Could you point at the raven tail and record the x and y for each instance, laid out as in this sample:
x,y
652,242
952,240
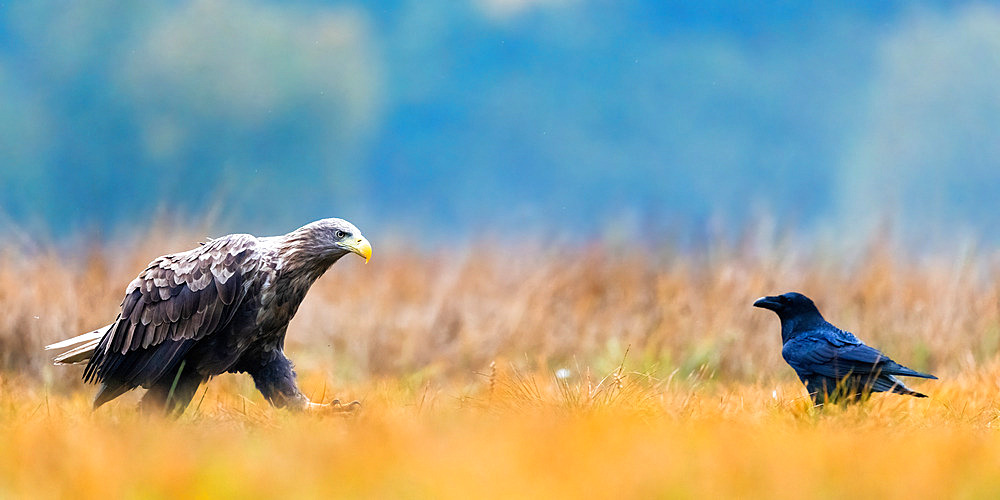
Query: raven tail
x,y
901,389
907,372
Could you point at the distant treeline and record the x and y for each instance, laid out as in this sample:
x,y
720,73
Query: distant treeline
x,y
460,115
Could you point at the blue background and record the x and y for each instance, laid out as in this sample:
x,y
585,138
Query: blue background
x,y
489,116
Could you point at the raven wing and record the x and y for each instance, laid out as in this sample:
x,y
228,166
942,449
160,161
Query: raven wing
x,y
177,300
837,356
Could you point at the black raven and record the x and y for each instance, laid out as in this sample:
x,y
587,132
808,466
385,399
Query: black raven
x,y
833,364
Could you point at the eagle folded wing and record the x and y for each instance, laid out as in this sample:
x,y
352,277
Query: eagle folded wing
x,y
178,298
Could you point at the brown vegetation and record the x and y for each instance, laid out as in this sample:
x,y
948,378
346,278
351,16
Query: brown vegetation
x,y
455,356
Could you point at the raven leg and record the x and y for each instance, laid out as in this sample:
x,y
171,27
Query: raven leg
x,y
850,389
274,377
172,392
818,389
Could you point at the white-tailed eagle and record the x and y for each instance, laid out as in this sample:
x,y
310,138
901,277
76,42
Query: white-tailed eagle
x,y
222,307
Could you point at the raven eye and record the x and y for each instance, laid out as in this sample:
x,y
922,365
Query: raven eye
x,y
341,234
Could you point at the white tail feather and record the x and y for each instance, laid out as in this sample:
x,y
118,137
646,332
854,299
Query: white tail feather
x,y
78,354
79,339
82,347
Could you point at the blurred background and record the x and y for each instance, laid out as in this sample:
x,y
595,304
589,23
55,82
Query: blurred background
x,y
590,117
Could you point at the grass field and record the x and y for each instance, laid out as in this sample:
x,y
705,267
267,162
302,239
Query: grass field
x,y
596,372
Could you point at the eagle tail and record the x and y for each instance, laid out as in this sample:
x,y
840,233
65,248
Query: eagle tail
x,y
81,347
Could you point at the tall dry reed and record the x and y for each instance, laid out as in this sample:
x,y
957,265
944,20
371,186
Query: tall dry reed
x,y
452,313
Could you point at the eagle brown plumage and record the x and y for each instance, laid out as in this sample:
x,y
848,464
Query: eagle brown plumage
x,y
221,307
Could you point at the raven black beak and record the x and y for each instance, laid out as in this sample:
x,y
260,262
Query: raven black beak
x,y
767,303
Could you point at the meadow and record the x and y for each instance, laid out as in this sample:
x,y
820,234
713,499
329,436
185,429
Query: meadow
x,y
537,371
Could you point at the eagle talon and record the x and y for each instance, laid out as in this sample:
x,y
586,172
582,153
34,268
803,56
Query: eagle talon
x,y
337,406
334,406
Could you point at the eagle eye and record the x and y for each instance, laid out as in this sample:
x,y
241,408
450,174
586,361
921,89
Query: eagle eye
x,y
341,234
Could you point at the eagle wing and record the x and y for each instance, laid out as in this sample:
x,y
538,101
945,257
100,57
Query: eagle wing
x,y
177,300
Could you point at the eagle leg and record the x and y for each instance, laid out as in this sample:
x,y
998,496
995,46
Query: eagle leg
x,y
172,393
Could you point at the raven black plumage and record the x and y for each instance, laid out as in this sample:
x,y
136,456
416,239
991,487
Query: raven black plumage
x,y
833,364
221,307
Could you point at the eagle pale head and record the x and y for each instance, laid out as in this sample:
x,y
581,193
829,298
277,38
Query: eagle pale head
x,y
336,237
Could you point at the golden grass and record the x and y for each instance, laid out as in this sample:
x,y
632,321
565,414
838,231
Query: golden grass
x,y
455,357
530,437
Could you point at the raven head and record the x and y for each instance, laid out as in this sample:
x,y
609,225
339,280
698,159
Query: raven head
x,y
789,305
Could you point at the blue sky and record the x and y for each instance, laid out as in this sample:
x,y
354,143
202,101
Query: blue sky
x,y
487,115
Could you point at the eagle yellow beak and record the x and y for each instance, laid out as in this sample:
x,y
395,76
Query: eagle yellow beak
x,y
361,247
